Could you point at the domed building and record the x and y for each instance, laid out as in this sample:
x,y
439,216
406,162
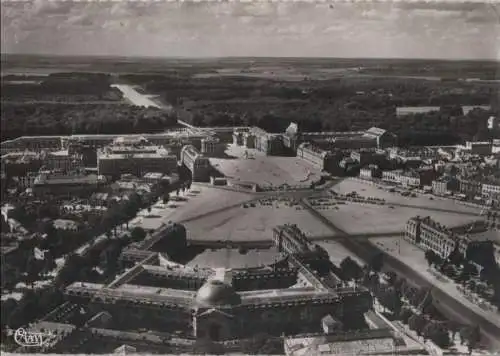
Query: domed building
x,y
216,293
218,304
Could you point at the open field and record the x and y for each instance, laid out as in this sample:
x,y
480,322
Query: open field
x,y
247,224
414,257
200,200
265,170
367,190
232,258
359,218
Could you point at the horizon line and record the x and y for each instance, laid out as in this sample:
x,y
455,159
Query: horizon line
x,y
497,60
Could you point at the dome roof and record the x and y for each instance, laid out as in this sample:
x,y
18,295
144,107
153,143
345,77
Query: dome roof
x,y
217,293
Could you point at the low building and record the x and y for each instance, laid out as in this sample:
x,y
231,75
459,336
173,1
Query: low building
x,y
369,156
55,183
249,140
468,108
493,123
21,163
270,144
323,160
153,177
490,191
369,172
445,185
62,160
32,143
211,146
412,110
362,342
430,235
135,157
356,142
11,270
197,163
291,137
478,148
238,137
382,137
470,187
411,178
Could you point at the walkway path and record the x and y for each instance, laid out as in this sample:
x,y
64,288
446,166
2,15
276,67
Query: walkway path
x,y
137,98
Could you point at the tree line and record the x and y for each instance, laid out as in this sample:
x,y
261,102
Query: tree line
x,y
67,119
410,305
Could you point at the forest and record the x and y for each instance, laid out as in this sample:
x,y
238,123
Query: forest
x,y
66,119
342,104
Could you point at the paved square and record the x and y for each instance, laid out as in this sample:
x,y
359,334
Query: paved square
x,y
265,170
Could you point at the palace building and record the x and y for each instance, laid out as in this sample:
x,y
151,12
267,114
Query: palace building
x,y
136,156
219,305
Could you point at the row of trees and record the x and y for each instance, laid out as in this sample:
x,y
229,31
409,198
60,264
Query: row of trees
x,y
462,267
413,306
66,119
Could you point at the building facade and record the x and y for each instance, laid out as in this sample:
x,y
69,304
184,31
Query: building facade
x,y
198,164
370,171
134,156
58,183
430,235
471,188
227,304
322,159
211,146
445,185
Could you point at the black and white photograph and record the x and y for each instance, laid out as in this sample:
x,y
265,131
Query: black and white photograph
x,y
296,178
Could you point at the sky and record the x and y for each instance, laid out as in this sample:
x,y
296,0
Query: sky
x,y
445,30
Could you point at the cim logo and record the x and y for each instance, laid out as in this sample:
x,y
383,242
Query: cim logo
x,y
27,338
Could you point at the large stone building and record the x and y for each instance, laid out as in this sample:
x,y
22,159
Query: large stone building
x,y
62,160
32,143
259,139
445,185
470,187
197,163
322,159
134,156
370,139
192,305
21,163
431,235
59,183
212,146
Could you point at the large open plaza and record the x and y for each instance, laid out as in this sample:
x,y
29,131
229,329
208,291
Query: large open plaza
x,y
200,200
365,218
265,170
253,223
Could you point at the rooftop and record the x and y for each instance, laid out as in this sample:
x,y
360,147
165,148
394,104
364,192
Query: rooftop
x,y
61,179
